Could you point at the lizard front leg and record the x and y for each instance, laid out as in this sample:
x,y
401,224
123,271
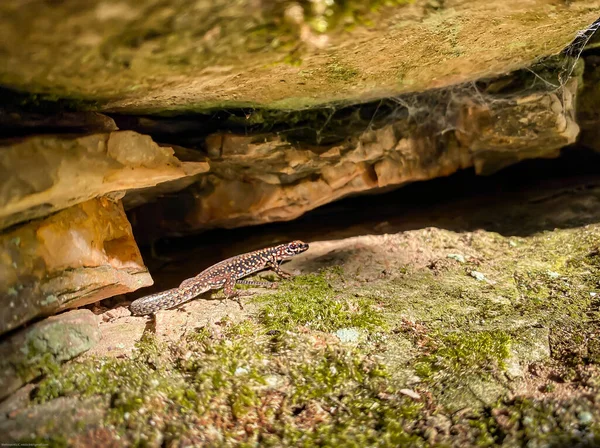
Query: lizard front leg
x,y
274,264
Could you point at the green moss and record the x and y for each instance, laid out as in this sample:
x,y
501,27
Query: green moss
x,y
339,72
325,16
544,279
459,301
107,377
525,421
311,301
230,383
44,102
275,380
38,360
558,275
366,420
459,353
574,344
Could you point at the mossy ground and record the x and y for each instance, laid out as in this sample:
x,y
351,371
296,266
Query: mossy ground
x,y
440,357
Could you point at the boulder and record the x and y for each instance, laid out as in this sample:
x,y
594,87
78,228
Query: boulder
x,y
77,256
41,347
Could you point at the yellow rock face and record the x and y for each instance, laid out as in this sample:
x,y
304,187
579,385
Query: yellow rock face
x,y
265,178
42,174
78,256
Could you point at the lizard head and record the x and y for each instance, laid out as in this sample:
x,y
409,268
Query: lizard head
x,y
293,248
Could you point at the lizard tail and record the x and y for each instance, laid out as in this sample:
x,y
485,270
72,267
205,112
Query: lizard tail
x,y
161,300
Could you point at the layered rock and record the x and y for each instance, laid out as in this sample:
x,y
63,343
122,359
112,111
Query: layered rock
x,y
263,178
66,415
42,174
137,56
77,256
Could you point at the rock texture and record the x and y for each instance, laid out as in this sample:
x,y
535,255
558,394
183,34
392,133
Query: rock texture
x,y
66,415
41,347
42,174
387,337
132,55
77,256
255,179
19,122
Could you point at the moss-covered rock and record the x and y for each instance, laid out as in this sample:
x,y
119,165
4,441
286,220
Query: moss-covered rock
x,y
41,348
412,349
187,55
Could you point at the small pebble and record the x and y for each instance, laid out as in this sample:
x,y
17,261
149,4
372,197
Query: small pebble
x,y
478,276
240,371
347,334
457,257
413,379
585,418
410,393
273,381
430,434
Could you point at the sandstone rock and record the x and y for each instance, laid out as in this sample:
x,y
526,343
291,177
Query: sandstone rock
x,y
63,416
532,346
15,122
78,256
532,126
472,392
42,174
30,352
255,179
149,57
18,400
119,337
449,340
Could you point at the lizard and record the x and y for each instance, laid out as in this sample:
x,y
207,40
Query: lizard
x,y
225,274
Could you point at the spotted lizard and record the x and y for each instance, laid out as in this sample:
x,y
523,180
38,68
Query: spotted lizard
x,y
225,274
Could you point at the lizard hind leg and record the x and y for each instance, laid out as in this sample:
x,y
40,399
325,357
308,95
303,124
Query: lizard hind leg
x,y
269,285
231,293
